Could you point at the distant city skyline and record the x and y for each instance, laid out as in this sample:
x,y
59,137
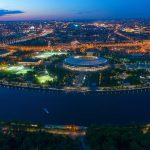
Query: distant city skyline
x,y
73,9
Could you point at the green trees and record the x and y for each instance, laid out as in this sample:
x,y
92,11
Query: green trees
x,y
34,141
118,138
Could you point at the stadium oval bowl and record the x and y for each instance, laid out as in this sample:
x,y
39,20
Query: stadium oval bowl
x,y
86,63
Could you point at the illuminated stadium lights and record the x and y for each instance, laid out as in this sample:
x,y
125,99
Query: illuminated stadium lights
x,y
42,79
46,55
86,63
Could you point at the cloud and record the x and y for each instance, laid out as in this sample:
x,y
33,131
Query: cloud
x,y
4,12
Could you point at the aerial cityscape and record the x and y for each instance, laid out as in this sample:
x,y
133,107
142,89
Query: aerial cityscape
x,y
91,56
74,75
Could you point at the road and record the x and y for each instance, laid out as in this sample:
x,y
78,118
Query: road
x,y
145,45
29,37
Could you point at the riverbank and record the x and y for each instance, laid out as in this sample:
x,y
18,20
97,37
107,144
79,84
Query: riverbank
x,y
23,135
102,90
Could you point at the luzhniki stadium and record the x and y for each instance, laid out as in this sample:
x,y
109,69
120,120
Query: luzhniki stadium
x,y
86,63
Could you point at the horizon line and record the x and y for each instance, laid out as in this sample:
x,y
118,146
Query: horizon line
x,y
146,18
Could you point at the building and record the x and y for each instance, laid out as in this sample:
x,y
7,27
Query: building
x,y
5,53
30,62
93,52
86,63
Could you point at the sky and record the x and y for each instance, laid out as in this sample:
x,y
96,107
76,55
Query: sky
x,y
73,9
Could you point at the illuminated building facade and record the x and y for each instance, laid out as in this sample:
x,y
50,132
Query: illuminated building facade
x,y
86,63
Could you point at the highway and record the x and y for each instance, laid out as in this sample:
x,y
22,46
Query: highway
x,y
142,47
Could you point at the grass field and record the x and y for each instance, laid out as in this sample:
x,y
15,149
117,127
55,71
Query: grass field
x,y
16,69
46,55
42,79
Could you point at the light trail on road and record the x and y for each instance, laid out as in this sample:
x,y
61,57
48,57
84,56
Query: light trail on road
x,y
83,47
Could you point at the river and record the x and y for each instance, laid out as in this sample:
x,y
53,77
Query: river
x,y
74,108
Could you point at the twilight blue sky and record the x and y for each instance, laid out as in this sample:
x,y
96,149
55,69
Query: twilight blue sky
x,y
73,9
